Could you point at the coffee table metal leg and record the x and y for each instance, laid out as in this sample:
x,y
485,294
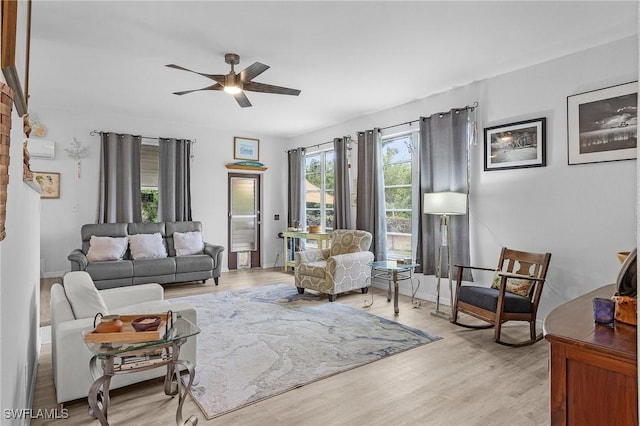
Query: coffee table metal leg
x,y
395,292
98,397
173,384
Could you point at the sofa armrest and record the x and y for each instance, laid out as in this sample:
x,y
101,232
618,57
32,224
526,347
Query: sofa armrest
x,y
124,296
312,255
215,252
78,260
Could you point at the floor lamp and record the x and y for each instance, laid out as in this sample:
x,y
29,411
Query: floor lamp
x,y
444,204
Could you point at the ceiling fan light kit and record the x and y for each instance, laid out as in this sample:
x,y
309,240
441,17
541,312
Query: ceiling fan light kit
x,y
237,84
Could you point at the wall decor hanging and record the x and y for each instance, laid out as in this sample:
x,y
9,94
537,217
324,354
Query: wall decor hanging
x,y
515,145
49,182
602,124
246,149
77,151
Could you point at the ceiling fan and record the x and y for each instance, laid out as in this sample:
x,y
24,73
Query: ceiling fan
x,y
237,84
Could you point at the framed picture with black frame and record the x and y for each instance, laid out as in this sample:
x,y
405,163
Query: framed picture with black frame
x,y
515,145
602,124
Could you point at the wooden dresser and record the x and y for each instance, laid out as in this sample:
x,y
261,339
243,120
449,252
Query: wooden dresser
x,y
594,375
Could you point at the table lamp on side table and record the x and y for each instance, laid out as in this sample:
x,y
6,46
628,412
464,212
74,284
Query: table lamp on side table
x,y
444,204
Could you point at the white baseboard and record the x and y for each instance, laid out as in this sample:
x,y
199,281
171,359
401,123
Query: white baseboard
x,y
54,274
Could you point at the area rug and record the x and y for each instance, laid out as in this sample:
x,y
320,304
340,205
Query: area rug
x,y
259,342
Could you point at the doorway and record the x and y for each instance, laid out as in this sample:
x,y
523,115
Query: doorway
x,y
244,221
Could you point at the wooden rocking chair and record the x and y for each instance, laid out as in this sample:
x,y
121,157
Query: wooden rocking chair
x,y
520,277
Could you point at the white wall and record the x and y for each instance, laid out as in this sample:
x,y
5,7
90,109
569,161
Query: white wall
x,y
19,285
582,214
213,149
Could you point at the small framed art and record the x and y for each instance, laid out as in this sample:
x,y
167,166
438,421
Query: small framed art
x,y
515,145
246,149
49,182
602,124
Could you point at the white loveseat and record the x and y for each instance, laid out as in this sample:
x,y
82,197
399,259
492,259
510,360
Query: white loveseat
x,y
73,307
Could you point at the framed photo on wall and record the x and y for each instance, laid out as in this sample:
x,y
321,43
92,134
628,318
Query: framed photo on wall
x,y
49,182
246,149
602,124
515,145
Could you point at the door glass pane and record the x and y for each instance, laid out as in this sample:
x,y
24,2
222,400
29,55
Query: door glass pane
x,y
243,214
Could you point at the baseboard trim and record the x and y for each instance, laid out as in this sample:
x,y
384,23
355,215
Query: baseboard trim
x,y
31,392
54,274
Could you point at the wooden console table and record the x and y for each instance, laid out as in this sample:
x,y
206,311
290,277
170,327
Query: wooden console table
x,y
594,374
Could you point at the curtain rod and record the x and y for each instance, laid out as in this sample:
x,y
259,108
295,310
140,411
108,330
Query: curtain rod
x,y
471,107
96,132
322,143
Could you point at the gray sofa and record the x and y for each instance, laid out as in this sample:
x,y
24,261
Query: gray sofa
x,y
126,272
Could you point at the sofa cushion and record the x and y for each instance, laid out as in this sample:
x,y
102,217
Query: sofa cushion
x,y
147,246
193,263
151,267
83,296
315,269
188,243
110,269
106,248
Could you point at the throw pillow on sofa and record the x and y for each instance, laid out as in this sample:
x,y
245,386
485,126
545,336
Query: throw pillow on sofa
x,y
106,248
147,246
188,243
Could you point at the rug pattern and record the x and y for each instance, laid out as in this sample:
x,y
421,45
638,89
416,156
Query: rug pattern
x,y
259,342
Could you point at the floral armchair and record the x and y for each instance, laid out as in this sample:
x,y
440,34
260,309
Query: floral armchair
x,y
342,267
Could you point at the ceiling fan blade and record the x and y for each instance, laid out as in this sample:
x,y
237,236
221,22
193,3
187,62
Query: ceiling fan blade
x,y
216,77
242,100
252,71
212,87
268,88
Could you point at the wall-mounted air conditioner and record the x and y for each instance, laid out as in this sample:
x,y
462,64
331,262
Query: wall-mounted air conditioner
x,y
42,149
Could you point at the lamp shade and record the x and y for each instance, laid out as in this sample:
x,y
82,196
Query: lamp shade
x,y
449,203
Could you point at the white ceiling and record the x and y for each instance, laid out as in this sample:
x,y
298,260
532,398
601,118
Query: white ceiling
x,y
348,58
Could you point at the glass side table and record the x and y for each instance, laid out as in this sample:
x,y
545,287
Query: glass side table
x,y
112,359
392,271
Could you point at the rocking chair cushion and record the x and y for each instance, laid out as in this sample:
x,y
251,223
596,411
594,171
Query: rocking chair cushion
x,y
487,298
518,286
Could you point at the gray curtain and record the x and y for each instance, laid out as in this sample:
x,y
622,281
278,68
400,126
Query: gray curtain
x,y
342,194
119,192
174,180
444,166
370,207
297,187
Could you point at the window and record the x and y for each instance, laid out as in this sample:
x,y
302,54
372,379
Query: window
x,y
401,192
149,182
320,189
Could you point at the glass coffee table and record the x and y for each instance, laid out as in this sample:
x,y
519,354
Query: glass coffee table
x,y
392,271
111,359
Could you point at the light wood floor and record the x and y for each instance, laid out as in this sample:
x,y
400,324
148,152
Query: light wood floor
x,y
463,379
